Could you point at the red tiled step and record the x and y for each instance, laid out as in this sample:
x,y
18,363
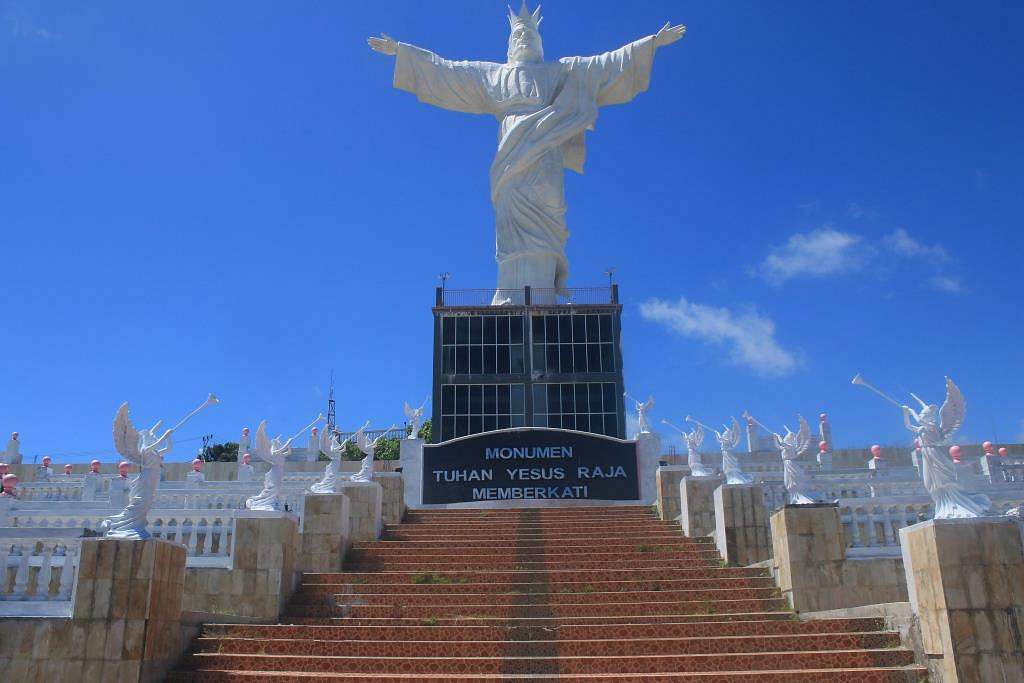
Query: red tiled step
x,y
580,527
565,665
550,648
557,597
541,622
844,675
690,629
634,536
622,544
552,575
364,587
401,556
562,564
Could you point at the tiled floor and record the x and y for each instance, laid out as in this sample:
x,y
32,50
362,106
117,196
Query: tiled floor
x,y
571,594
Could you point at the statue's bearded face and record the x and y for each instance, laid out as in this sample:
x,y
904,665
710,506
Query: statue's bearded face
x,y
524,44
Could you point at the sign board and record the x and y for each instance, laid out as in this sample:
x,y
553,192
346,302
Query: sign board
x,y
530,464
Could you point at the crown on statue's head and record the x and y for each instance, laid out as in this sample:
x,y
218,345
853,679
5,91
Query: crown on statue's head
x,y
525,17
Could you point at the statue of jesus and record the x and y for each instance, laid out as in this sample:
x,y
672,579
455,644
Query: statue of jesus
x,y
544,109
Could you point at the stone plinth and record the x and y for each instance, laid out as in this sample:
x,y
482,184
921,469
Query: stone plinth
x,y
966,584
124,624
265,553
365,509
811,567
648,452
668,478
410,453
325,532
741,524
697,505
393,501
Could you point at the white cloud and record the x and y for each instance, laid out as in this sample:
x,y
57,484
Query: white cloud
x,y
817,253
749,336
900,242
946,283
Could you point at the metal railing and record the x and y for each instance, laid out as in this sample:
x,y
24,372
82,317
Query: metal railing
x,y
475,298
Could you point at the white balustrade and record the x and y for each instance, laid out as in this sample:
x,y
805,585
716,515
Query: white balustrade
x,y
37,572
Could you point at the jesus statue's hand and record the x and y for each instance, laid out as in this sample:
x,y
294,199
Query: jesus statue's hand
x,y
387,45
667,35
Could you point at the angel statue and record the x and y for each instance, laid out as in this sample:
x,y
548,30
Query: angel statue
x,y
644,427
334,449
413,416
544,109
693,439
12,456
934,429
792,446
147,450
728,440
273,453
368,448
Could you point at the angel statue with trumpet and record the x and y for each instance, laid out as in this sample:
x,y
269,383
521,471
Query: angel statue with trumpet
x,y
368,447
933,429
146,449
728,439
334,449
274,453
642,409
544,109
791,447
693,439
414,416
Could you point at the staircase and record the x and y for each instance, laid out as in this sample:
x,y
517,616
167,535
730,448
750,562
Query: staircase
x,y
568,594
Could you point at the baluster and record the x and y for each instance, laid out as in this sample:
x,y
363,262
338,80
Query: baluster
x,y
872,531
205,546
43,577
21,575
890,539
222,538
67,572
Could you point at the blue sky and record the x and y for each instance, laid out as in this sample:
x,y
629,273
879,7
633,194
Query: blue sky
x,y
231,197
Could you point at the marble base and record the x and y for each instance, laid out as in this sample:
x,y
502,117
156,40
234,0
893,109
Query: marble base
x,y
697,505
741,524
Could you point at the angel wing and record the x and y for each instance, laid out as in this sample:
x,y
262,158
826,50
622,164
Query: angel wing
x,y
126,437
647,406
326,441
732,435
953,410
410,412
263,446
362,442
696,437
803,436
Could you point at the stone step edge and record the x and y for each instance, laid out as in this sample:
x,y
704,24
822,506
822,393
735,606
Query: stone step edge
x,y
509,622
776,593
734,570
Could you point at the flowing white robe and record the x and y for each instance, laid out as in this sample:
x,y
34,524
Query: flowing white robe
x,y
544,109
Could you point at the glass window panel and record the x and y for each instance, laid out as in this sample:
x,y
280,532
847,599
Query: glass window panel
x,y
462,330
448,360
597,423
502,399
476,399
503,366
518,421
504,422
568,422
490,399
539,358
564,328
606,328
579,328
462,399
490,423
568,404
611,425
517,403
540,420
476,424
448,399
582,422
554,399
490,359
540,399
607,358
501,327
582,398
516,358
594,389
551,327
537,323
461,425
565,358
447,428
476,328
461,359
448,330
579,353
476,359
593,328
490,335
515,329
552,355
594,357
611,401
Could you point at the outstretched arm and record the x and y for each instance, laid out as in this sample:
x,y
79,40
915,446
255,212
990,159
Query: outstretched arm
x,y
907,413
669,34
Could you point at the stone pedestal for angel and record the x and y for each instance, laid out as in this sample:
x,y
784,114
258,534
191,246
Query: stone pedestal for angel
x,y
245,471
334,449
791,447
728,439
934,429
12,456
244,443
195,476
44,473
92,482
414,417
313,448
275,454
146,449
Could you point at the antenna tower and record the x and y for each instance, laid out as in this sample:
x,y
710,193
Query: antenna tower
x,y
330,407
